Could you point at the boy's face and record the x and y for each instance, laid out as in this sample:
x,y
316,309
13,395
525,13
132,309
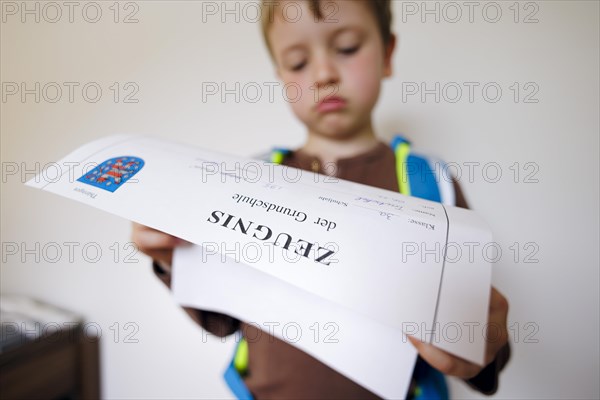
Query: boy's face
x,y
337,62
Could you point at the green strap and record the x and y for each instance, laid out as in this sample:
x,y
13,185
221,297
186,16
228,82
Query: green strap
x,y
277,156
402,150
240,360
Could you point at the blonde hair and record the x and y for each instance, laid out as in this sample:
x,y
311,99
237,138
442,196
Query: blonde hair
x,y
381,10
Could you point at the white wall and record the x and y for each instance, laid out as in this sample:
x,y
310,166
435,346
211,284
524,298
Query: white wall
x,y
170,52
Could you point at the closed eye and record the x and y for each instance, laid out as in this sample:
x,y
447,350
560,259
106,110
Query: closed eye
x,y
348,50
299,66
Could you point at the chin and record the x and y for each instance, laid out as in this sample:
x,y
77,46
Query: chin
x,y
335,125
336,129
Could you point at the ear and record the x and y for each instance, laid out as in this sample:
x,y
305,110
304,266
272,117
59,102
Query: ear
x,y
389,52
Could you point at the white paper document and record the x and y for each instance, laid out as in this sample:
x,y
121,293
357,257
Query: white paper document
x,y
290,250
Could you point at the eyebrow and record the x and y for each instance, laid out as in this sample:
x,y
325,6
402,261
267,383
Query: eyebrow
x,y
292,48
332,35
347,28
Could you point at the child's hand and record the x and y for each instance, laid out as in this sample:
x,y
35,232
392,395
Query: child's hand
x,y
156,244
455,366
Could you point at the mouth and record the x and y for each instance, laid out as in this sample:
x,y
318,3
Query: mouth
x,y
331,103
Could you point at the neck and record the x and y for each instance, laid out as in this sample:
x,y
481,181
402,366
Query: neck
x,y
330,149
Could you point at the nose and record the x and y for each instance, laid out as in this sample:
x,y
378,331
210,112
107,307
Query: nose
x,y
325,71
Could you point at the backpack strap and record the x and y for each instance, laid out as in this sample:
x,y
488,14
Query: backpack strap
x,y
278,154
235,371
421,176
401,147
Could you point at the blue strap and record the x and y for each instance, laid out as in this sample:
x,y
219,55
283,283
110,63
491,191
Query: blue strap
x,y
422,179
430,383
236,383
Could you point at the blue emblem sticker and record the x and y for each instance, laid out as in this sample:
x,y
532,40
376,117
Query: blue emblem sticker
x,y
113,173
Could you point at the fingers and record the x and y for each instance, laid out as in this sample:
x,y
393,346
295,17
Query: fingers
x,y
164,258
497,330
496,338
445,362
154,243
498,302
152,239
146,237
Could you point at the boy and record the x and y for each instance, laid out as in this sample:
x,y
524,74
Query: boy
x,y
337,53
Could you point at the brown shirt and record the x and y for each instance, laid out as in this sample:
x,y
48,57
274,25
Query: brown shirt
x,y
279,370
